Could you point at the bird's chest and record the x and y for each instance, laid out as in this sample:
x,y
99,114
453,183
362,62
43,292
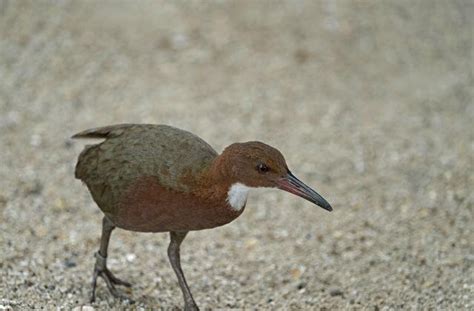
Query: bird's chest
x,y
149,207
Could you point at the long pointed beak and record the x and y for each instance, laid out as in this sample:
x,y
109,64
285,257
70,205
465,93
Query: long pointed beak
x,y
293,185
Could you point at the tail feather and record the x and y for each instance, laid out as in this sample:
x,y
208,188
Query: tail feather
x,y
103,132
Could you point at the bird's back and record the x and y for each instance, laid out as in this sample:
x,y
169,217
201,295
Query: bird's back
x,y
173,156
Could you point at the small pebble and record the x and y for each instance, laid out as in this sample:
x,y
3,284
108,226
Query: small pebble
x,y
301,285
336,292
69,263
130,257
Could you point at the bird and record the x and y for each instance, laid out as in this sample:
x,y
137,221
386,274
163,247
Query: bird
x,y
158,178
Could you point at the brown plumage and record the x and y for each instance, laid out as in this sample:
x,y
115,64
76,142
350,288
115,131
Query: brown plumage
x,y
157,178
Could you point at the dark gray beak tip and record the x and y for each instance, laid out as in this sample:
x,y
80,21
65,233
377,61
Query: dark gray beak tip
x,y
293,185
327,207
321,202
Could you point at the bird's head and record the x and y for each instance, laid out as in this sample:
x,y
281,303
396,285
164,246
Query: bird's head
x,y
255,164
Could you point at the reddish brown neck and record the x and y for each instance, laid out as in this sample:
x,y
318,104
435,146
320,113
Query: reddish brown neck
x,y
216,180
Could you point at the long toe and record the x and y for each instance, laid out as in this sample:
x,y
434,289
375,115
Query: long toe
x,y
114,291
92,300
94,285
115,280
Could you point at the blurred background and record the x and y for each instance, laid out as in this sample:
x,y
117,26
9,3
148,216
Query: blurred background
x,y
371,102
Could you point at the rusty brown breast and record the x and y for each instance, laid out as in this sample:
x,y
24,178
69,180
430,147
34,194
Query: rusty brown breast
x,y
154,178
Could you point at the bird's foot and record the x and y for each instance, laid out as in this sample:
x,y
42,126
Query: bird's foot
x,y
100,270
191,307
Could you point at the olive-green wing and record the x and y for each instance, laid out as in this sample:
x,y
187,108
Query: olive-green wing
x,y
131,151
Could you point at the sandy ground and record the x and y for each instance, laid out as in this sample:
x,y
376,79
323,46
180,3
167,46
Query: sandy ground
x,y
370,101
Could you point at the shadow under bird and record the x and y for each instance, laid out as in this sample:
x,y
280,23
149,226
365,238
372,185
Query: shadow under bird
x,y
157,178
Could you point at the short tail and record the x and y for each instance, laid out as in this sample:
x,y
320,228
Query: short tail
x,y
103,132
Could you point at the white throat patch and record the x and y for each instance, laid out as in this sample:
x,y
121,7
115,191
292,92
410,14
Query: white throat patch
x,y
237,196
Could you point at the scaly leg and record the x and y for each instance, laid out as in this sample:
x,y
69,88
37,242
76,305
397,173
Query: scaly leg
x,y
173,254
100,269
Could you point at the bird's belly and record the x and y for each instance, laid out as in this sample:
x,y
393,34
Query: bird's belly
x,y
146,206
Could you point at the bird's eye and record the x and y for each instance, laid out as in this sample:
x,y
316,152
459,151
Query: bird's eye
x,y
262,168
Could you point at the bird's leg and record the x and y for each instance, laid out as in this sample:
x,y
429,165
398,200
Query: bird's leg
x,y
173,254
100,268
